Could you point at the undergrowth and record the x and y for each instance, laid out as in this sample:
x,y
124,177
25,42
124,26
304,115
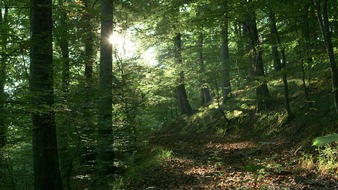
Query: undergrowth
x,y
145,160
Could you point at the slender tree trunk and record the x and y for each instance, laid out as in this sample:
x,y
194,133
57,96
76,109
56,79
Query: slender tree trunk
x,y
323,20
225,59
65,54
180,90
280,66
240,57
247,49
105,142
88,43
205,92
262,92
46,160
64,116
306,47
88,129
3,127
3,60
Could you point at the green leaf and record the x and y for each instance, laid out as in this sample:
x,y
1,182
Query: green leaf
x,y
324,140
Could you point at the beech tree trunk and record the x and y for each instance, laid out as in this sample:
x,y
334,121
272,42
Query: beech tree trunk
x,y
280,66
88,129
64,154
225,59
305,45
3,60
323,20
88,42
105,142
3,127
262,91
180,90
45,152
205,92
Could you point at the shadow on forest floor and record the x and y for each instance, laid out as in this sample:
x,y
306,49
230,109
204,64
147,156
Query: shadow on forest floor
x,y
202,162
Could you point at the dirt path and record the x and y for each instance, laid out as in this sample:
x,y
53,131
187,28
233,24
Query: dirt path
x,y
227,163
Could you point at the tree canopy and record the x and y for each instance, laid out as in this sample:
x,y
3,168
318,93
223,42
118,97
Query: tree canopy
x,y
85,84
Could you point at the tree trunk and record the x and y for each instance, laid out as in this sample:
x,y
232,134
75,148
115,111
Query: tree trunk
x,y
323,20
105,142
205,92
262,92
247,50
65,158
88,129
306,47
88,42
3,60
46,160
225,59
280,66
180,90
3,127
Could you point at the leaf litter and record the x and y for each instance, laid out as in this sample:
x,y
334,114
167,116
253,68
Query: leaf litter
x,y
205,162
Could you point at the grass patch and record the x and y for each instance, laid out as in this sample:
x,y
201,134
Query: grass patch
x,y
146,161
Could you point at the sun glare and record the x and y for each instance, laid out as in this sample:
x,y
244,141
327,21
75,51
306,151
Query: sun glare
x,y
125,48
122,45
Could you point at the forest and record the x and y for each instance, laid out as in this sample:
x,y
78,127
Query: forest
x,y
168,94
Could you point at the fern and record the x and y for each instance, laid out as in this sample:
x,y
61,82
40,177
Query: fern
x,y
325,140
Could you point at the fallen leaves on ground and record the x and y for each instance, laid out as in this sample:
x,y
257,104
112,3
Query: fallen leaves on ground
x,y
222,163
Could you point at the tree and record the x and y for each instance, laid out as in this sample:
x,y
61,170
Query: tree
x,y
45,153
323,20
62,36
3,60
225,58
306,48
205,92
280,65
262,91
180,90
105,141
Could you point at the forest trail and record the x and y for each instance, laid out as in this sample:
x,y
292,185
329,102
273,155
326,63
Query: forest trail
x,y
228,162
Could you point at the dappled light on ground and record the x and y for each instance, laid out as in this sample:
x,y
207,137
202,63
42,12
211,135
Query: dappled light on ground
x,y
227,163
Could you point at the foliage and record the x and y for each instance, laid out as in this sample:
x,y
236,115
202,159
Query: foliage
x,y
325,140
143,97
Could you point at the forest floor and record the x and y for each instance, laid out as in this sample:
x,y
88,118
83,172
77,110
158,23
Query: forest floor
x,y
229,162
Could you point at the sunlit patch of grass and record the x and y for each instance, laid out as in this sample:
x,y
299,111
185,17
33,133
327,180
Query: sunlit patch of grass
x,y
147,161
327,159
164,154
326,162
307,162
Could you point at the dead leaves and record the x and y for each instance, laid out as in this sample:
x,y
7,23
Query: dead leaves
x,y
210,163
